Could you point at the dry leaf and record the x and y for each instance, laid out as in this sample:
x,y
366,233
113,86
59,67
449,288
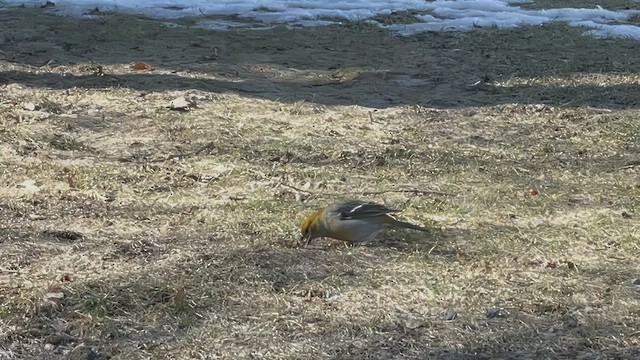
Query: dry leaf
x,y
179,295
181,104
71,181
532,192
29,186
142,66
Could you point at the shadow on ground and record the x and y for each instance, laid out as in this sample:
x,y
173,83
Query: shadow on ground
x,y
355,64
312,302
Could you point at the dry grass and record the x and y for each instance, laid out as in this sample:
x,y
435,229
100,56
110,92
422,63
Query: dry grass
x,y
133,231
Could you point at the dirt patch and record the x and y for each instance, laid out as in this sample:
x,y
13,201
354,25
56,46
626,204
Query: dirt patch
x,y
133,230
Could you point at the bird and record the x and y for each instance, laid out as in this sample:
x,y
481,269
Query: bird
x,y
353,221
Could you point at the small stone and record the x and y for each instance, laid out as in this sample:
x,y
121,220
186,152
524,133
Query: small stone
x,y
110,196
571,323
450,315
181,104
29,106
636,281
54,295
49,347
412,324
333,297
496,313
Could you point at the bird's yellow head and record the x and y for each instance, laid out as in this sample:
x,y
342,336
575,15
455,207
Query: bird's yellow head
x,y
310,226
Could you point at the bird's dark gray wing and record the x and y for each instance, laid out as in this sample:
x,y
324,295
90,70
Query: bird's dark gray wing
x,y
355,209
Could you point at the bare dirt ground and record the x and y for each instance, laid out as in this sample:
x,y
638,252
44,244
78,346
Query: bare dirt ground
x,y
131,231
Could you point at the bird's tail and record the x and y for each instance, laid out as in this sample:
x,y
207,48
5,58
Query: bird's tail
x,y
407,225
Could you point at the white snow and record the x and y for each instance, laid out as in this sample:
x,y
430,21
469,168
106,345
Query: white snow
x,y
443,15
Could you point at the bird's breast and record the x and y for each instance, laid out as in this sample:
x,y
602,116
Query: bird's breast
x,y
355,230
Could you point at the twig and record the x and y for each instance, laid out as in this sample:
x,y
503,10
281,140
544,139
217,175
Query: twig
x,y
189,153
630,165
410,191
296,189
433,247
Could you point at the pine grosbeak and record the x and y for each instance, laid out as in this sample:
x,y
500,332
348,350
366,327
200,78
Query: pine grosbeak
x,y
353,221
